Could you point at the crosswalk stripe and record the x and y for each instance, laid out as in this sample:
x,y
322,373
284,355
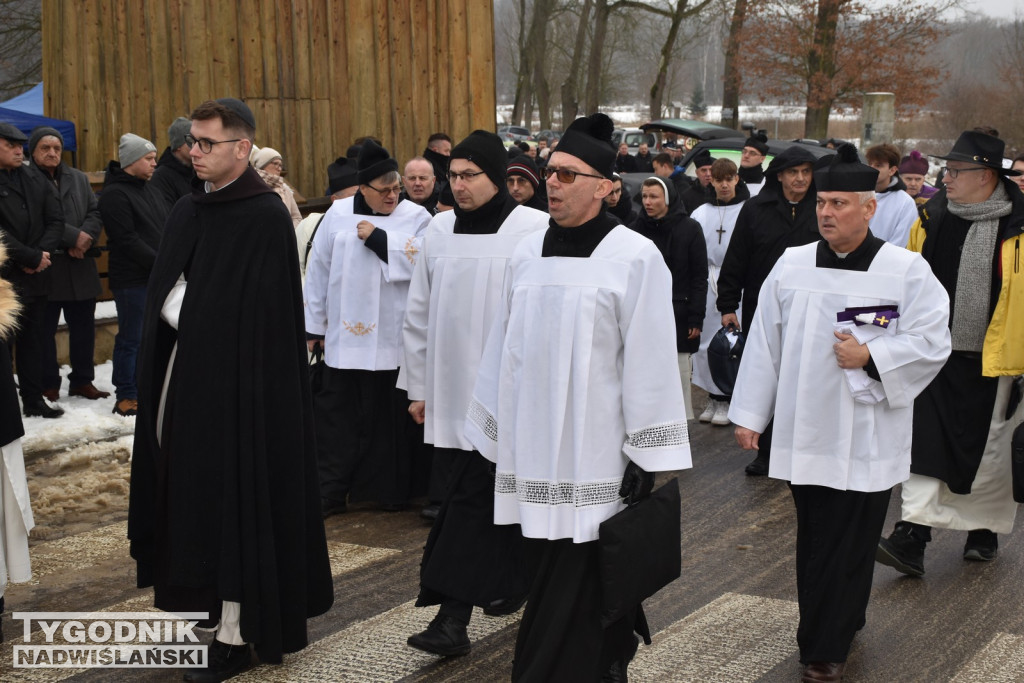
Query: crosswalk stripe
x,y
74,553
1000,661
374,650
345,557
734,638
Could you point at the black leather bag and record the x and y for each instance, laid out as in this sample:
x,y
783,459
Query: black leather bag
x,y
316,368
639,551
724,353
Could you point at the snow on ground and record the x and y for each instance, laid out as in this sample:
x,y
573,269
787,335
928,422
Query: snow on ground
x,y
84,421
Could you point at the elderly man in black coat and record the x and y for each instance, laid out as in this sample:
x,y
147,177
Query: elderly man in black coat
x,y
74,279
31,223
224,512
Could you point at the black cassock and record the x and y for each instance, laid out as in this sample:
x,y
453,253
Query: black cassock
x,y
226,506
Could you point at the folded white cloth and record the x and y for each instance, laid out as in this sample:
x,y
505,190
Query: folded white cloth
x,y
863,388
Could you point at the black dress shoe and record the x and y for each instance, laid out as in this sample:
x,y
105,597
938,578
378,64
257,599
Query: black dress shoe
x,y
430,512
329,507
39,408
982,546
445,636
823,672
504,607
758,467
223,662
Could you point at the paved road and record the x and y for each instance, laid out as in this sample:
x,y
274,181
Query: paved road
x,y
730,617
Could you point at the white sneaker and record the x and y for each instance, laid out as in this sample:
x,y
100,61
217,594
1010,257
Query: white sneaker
x,y
709,411
721,416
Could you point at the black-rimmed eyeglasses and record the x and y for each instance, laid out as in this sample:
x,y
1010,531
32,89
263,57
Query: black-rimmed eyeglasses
x,y
954,172
205,144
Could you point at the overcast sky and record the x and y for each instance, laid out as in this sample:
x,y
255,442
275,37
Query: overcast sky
x,y
999,9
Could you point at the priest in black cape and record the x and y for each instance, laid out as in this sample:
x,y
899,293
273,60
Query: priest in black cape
x,y
224,512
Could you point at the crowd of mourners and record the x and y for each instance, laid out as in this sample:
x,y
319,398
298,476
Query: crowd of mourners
x,y
511,334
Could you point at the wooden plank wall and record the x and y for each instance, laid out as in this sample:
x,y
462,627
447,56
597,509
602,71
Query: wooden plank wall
x,y
316,73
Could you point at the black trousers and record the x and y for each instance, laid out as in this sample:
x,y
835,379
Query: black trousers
x,y
80,319
836,537
28,347
364,436
561,637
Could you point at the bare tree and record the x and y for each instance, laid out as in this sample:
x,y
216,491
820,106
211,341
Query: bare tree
x,y
680,12
732,81
570,86
21,46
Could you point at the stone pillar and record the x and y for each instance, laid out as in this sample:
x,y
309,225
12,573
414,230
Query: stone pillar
x,y
878,117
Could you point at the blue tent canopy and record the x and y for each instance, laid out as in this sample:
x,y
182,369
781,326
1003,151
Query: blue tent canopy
x,y
25,112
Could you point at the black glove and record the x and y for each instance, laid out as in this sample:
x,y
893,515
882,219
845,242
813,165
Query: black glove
x,y
637,484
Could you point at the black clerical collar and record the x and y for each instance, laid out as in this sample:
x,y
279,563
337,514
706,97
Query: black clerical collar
x,y
361,207
487,218
580,241
859,259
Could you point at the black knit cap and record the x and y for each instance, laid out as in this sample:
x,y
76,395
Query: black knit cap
x,y
486,150
758,141
844,172
589,139
374,161
240,108
341,174
40,132
702,158
524,166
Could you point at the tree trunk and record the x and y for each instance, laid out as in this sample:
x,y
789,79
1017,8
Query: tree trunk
x,y
536,46
592,95
658,89
821,69
570,87
732,78
523,75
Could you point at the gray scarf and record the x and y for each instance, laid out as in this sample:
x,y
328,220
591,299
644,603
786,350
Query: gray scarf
x,y
974,278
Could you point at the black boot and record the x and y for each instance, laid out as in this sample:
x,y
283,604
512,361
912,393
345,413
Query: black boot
x,y
223,662
504,607
758,467
446,636
904,549
39,408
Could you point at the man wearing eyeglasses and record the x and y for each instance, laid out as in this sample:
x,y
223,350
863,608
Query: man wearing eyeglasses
x,y
455,291
578,401
223,515
357,282
970,234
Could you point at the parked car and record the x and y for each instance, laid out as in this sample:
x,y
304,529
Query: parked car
x,y
634,137
688,132
513,133
548,134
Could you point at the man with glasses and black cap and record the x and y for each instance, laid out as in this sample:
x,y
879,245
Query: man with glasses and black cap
x,y
223,516
970,235
846,333
31,226
455,291
357,282
578,401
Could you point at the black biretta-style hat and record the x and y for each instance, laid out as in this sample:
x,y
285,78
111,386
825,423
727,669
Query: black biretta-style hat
x,y
844,172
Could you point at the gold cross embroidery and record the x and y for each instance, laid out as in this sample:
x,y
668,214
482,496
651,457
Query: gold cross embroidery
x,y
882,320
359,329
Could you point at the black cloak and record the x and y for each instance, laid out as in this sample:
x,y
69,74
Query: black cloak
x,y
227,506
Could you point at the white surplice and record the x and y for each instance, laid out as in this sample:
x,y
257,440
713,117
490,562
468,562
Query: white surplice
x,y
895,215
712,219
822,435
578,377
352,297
453,298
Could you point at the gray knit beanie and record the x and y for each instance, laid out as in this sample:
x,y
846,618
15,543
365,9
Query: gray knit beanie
x,y
40,132
132,148
178,130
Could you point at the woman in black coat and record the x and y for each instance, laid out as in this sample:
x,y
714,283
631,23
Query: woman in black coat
x,y
681,241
